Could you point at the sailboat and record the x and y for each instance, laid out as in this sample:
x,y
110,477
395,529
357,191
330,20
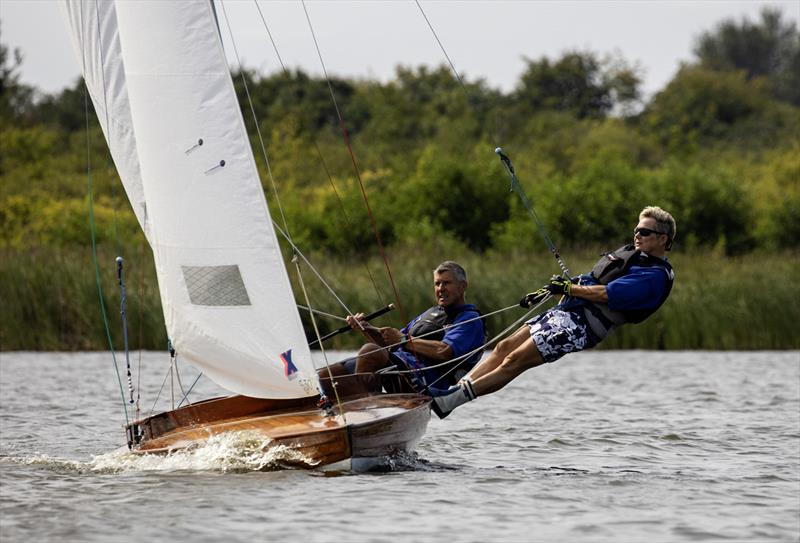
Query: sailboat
x,y
160,84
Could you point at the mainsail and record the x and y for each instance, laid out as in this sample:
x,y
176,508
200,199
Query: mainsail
x,y
93,30
227,300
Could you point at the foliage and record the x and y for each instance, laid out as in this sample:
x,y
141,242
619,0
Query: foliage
x,y
718,146
700,105
50,298
578,83
15,97
769,49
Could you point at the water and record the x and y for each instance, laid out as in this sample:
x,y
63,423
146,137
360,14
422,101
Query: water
x,y
601,446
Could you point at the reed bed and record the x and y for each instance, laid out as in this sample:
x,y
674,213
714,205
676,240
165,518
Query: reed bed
x,y
49,299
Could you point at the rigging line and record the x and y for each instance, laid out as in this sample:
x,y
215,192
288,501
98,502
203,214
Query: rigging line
x,y
471,100
199,375
92,226
255,119
285,231
346,137
108,127
452,66
515,185
502,333
178,375
346,215
445,327
164,382
467,355
141,328
323,313
321,347
299,253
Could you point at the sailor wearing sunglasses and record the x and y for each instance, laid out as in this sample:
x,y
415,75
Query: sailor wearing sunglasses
x,y
625,286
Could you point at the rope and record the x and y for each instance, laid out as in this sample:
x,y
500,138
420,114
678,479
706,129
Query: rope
x,y
299,253
447,327
163,382
123,310
93,227
108,127
346,137
324,354
285,230
465,356
515,185
323,313
342,208
255,120
190,390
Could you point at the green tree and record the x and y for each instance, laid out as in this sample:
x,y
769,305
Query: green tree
x,y
66,109
770,48
15,97
453,194
578,83
700,103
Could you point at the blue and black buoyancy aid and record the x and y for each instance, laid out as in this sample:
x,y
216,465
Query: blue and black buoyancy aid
x,y
614,265
431,325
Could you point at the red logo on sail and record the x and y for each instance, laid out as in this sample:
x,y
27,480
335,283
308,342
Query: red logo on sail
x,y
289,369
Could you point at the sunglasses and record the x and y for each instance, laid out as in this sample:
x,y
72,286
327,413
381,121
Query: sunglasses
x,y
644,232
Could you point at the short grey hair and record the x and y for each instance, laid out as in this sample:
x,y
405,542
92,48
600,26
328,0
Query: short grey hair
x,y
455,268
663,219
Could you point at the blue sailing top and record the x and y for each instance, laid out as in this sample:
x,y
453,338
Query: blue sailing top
x,y
640,288
462,338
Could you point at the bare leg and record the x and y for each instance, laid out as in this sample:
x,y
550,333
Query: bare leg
x,y
371,358
501,350
511,357
334,369
524,357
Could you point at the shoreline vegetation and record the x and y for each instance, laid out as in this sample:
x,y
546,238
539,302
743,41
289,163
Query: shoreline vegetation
x,y
718,147
745,302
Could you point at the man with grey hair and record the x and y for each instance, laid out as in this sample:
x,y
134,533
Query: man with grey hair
x,y
625,286
450,329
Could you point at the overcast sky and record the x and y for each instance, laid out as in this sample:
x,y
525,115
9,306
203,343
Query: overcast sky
x,y
367,39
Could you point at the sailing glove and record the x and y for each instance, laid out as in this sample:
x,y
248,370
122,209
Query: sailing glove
x,y
558,285
534,298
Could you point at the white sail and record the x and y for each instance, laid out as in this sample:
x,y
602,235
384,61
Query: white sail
x,y
226,295
93,31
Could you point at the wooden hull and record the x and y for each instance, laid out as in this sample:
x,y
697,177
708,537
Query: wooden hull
x,y
373,427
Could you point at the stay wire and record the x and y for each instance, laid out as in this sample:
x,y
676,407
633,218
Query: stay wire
x,y
515,185
186,396
321,347
285,230
117,238
346,136
345,214
93,226
314,141
443,328
444,51
115,207
299,253
255,120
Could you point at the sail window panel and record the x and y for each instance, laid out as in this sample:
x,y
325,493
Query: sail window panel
x,y
215,285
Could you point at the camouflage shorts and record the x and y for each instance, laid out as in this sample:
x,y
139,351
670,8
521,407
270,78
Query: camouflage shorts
x,y
557,333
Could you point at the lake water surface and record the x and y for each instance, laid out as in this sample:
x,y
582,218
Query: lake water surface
x,y
600,446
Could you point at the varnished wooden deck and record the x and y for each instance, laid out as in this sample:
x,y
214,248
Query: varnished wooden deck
x,y
372,426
